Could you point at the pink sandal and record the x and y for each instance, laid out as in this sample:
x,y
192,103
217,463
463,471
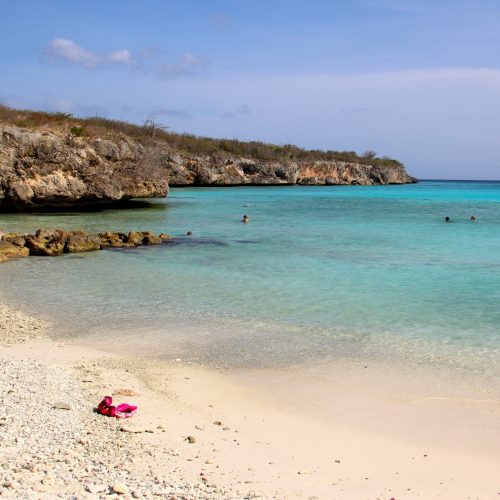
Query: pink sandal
x,y
123,410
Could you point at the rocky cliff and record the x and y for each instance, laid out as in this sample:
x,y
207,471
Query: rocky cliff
x,y
210,171
46,167
56,168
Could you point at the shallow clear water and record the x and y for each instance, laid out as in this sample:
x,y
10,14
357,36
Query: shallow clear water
x,y
348,272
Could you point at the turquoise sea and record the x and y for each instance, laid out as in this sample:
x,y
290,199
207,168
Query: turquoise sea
x,y
318,273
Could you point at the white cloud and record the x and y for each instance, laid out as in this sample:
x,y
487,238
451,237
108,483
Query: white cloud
x,y
150,61
62,50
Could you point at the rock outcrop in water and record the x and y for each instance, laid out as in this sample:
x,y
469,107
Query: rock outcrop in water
x,y
40,169
54,242
49,166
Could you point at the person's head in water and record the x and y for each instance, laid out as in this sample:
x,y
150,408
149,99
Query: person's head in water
x,y
447,219
472,218
189,233
245,219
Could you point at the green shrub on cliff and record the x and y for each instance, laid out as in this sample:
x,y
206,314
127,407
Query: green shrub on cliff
x,y
103,127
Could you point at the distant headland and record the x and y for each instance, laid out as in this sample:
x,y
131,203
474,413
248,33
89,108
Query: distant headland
x,y
54,160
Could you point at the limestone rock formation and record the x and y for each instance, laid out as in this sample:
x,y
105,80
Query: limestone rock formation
x,y
40,169
210,171
48,168
54,242
10,251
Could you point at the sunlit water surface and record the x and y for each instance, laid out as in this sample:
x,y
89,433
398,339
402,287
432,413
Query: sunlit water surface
x,y
363,273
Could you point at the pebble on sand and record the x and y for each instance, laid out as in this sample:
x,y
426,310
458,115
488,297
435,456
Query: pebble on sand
x,y
119,488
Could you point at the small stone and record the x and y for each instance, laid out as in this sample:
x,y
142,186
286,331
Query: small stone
x,y
218,422
136,494
191,439
60,405
95,488
119,488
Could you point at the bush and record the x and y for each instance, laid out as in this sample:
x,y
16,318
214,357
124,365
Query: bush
x,y
79,131
188,143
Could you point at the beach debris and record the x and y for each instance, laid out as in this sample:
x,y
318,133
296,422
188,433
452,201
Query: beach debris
x,y
60,405
218,422
191,439
123,410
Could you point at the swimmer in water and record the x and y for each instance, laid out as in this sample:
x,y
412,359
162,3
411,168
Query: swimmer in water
x,y
472,218
447,219
189,233
245,219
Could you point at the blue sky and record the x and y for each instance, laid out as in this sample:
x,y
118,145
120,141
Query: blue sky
x,y
415,80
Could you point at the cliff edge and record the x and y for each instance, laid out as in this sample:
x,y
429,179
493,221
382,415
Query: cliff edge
x,y
41,169
211,171
50,160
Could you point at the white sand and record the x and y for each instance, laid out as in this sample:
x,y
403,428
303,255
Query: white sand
x,y
345,443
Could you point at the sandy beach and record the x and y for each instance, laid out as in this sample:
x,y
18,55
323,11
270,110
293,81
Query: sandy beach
x,y
203,433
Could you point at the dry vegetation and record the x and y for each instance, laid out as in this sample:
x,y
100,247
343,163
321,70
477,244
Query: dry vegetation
x,y
103,127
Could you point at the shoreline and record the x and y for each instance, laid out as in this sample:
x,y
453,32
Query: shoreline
x,y
268,444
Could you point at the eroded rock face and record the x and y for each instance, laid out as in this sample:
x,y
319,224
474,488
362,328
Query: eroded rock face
x,y
40,170
209,171
51,169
